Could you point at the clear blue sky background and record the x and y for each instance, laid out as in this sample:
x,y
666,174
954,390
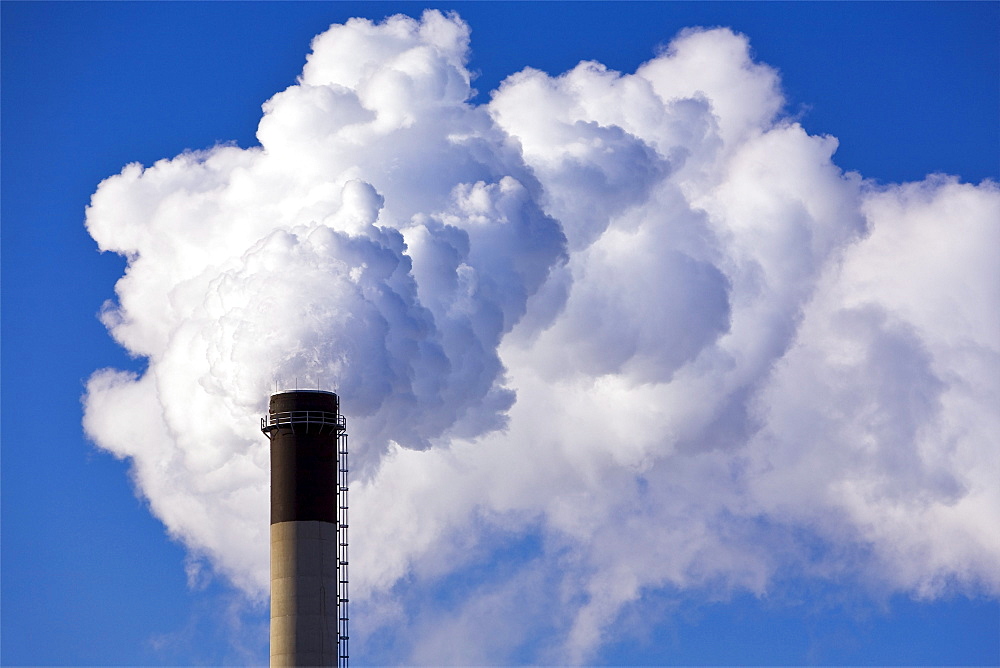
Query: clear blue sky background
x,y
89,576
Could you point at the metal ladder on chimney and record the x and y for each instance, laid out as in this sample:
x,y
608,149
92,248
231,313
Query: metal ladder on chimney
x,y
342,560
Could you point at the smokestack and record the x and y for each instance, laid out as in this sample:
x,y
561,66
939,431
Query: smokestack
x,y
308,528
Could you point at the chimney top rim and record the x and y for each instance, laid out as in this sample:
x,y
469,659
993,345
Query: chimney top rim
x,y
274,394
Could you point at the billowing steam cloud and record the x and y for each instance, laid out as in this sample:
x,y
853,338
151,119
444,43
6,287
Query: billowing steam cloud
x,y
638,325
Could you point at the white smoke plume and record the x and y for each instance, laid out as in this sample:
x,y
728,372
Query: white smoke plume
x,y
620,332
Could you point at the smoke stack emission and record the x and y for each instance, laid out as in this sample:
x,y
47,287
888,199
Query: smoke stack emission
x,y
308,528
600,304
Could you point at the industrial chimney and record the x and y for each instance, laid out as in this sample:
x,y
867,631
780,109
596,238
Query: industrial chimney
x,y
308,528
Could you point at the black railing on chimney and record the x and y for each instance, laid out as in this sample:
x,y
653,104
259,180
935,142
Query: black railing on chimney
x,y
320,421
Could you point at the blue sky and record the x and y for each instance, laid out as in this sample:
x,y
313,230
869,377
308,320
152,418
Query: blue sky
x,y
89,574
